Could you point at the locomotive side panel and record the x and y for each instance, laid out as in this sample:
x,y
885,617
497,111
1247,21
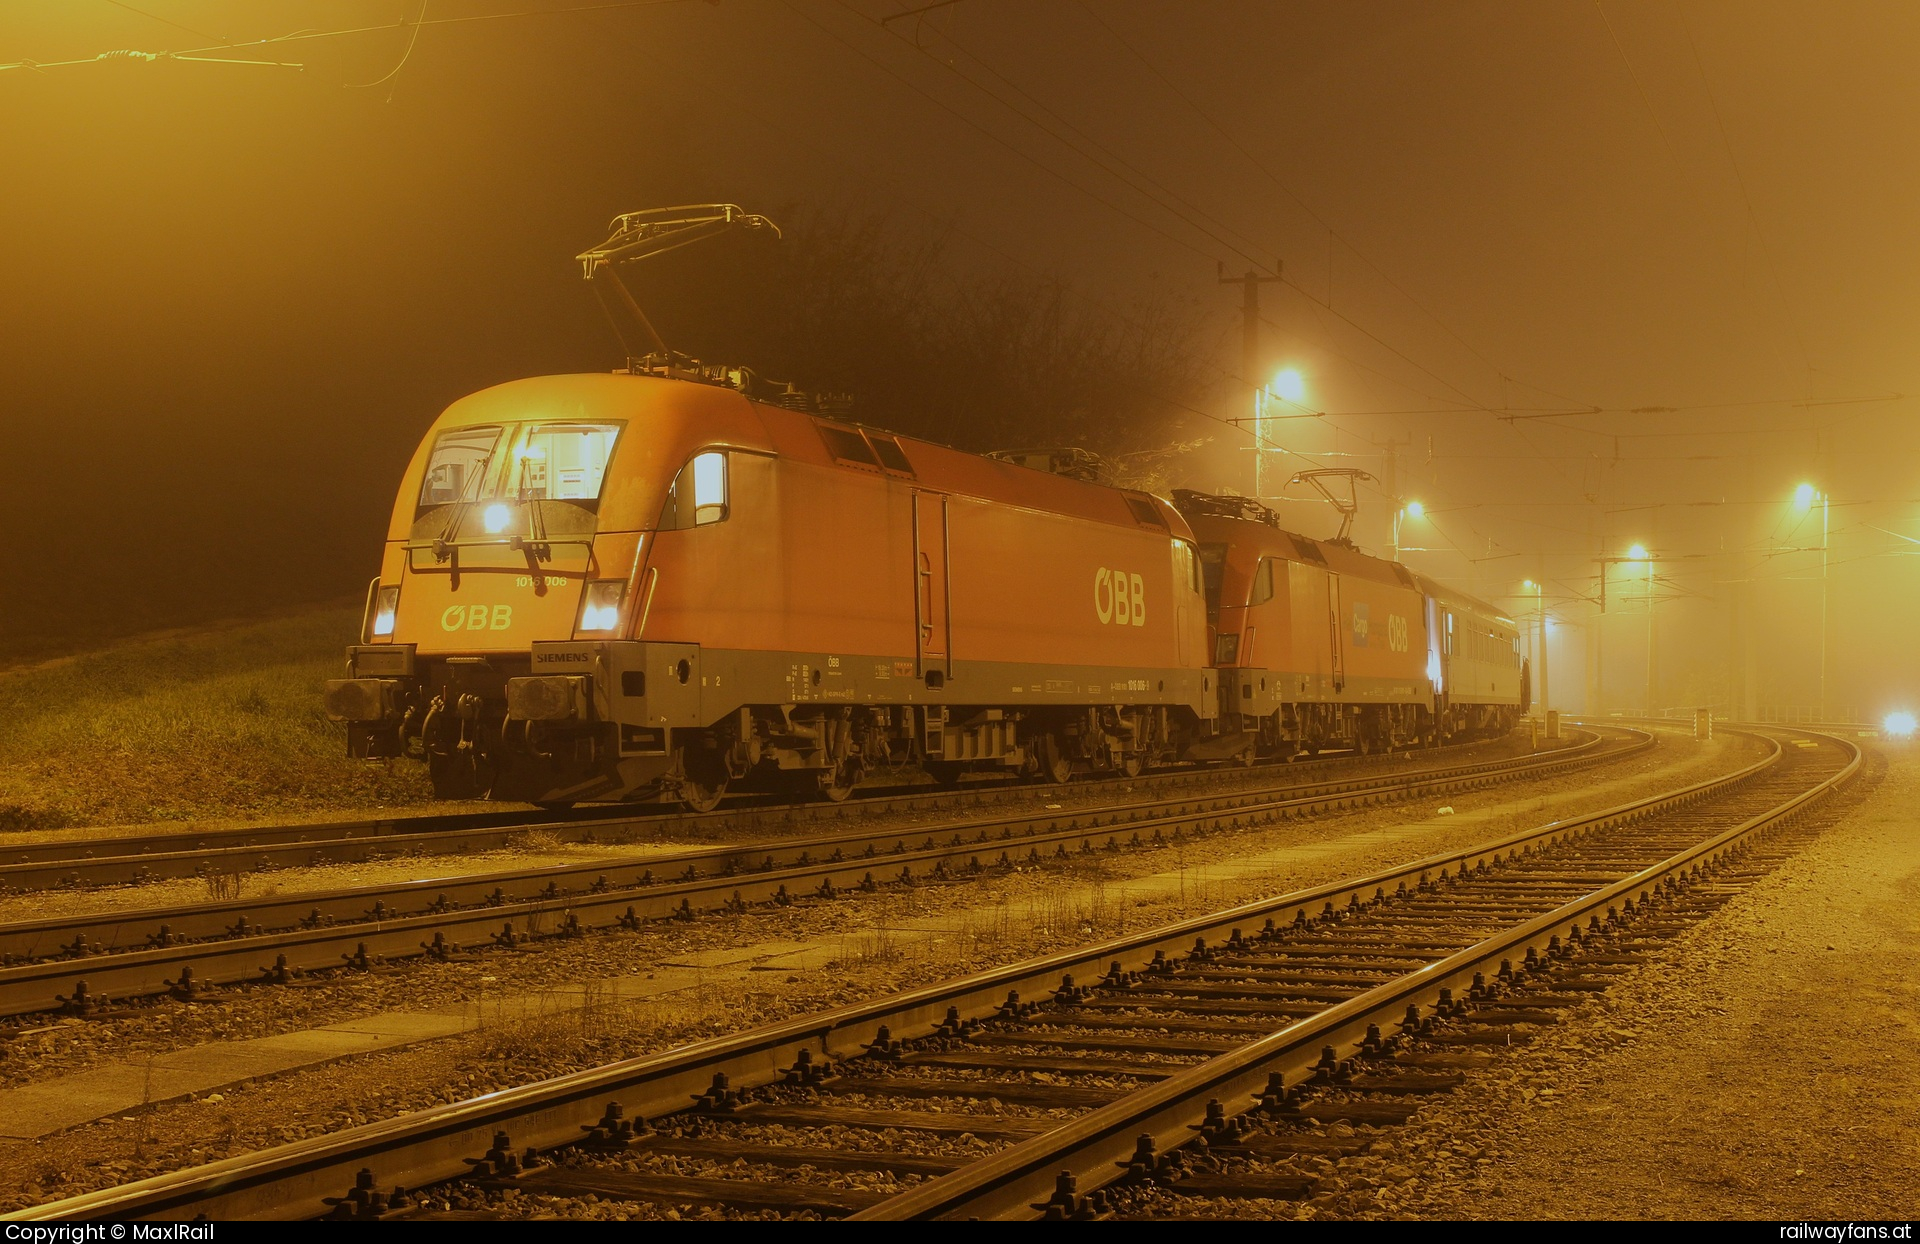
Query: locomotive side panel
x,y
790,569
1052,590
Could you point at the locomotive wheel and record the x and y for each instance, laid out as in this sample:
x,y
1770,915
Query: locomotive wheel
x,y
703,779
701,797
1055,765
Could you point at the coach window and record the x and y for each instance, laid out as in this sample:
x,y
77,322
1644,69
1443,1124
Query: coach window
x,y
699,494
457,468
1262,583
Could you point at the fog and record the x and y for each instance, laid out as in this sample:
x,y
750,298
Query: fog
x,y
1599,274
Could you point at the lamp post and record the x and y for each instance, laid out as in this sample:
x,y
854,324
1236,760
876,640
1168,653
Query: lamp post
x,y
1287,386
1803,498
1637,553
1412,509
1539,591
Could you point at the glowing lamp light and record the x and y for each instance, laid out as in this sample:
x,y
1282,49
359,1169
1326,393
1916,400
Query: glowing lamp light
x,y
495,518
1289,384
386,605
600,605
1528,584
1638,552
1898,725
1803,497
1415,509
600,617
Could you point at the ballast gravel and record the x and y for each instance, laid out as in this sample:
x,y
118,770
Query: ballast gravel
x,y
889,940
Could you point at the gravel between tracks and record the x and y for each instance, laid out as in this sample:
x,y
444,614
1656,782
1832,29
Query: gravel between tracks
x,y
891,940
536,847
1761,1067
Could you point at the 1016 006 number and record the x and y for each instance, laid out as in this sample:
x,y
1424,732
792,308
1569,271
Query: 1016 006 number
x,y
1119,598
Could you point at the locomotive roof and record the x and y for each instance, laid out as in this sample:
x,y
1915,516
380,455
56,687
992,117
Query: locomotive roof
x,y
712,415
1342,558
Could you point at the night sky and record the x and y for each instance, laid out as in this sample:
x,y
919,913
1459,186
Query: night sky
x,y
1608,272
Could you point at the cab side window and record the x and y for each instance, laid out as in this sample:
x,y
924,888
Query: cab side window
x,y
1186,567
1262,590
699,494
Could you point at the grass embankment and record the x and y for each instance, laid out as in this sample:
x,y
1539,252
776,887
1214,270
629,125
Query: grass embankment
x,y
220,724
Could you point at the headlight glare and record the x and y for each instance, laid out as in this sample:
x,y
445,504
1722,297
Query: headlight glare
x,y
386,605
600,605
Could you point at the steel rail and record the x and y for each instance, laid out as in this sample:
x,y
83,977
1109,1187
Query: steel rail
x,y
1095,1146
433,916
136,928
150,857
296,1180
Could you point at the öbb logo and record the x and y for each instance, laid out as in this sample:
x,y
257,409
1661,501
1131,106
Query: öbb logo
x,y
476,618
1119,597
1396,632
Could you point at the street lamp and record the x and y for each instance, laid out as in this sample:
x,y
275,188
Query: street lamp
x,y
1539,591
1638,553
1288,386
1412,509
1803,498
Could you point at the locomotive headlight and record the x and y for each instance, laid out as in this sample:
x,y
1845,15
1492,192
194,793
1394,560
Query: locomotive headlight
x,y
386,603
496,518
1898,725
600,605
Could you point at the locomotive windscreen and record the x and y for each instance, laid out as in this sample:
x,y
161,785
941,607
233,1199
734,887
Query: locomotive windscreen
x,y
563,461
542,462
458,467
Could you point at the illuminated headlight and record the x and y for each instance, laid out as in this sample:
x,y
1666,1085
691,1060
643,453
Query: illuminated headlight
x,y
386,603
496,518
1898,725
600,605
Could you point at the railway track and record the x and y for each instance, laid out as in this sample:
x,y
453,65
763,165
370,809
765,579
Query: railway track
x,y
1080,1084
85,964
29,866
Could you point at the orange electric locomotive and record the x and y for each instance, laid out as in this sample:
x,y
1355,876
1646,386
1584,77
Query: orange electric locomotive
x,y
1318,644
615,586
